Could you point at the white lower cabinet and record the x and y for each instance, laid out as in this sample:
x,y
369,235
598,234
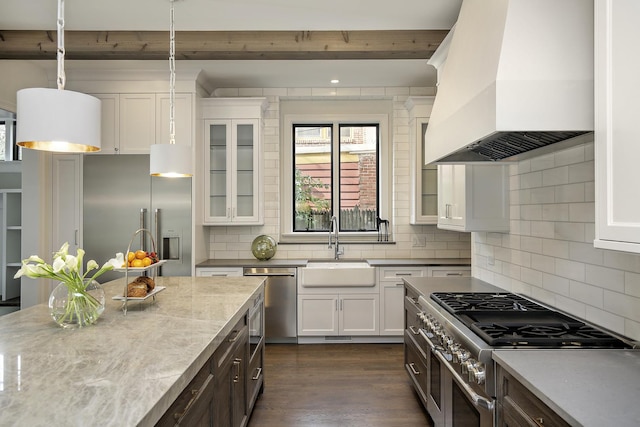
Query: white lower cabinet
x,y
392,297
449,271
338,314
219,271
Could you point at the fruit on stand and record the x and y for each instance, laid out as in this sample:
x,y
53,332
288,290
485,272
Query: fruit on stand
x,y
141,258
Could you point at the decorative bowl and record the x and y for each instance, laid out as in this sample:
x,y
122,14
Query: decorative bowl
x,y
263,247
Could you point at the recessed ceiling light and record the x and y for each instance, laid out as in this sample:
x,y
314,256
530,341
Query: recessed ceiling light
x,y
335,81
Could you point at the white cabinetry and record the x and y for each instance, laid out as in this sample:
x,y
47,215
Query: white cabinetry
x,y
66,201
219,271
338,314
473,197
449,271
10,240
392,297
233,161
423,178
616,125
131,122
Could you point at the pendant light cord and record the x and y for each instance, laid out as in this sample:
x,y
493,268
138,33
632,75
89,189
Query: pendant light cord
x,y
60,54
172,77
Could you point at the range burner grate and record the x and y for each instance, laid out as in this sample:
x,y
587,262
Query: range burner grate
x,y
457,302
553,335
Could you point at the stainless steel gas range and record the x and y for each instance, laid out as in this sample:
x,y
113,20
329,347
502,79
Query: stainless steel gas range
x,y
452,327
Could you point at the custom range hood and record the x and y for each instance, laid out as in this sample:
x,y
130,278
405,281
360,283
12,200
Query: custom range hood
x,y
517,76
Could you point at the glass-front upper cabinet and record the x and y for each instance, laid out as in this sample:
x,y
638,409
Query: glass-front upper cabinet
x,y
423,178
233,166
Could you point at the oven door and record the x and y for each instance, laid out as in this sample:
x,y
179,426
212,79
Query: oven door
x,y
451,402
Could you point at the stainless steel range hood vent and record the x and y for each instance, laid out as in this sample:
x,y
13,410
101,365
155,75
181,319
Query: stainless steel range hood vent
x,y
518,75
511,146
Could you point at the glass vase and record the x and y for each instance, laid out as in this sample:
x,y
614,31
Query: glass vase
x,y
76,305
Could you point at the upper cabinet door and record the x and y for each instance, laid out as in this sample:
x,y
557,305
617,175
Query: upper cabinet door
x,y
423,178
137,122
233,165
110,123
233,161
616,125
473,197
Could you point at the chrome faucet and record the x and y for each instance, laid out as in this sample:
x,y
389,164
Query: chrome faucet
x,y
333,228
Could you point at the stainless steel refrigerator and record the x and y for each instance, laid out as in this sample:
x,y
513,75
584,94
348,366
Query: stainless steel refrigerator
x,y
120,197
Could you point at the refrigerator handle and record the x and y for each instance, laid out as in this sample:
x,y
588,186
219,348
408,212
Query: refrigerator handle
x,y
156,232
143,214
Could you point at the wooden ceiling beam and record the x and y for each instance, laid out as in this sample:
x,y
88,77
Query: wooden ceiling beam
x,y
231,45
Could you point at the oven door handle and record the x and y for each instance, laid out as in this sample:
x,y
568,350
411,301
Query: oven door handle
x,y
478,400
481,401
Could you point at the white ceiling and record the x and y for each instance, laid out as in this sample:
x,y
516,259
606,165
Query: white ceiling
x,y
232,15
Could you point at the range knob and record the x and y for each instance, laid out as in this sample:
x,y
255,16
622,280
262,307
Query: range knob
x,y
453,347
477,373
467,365
461,355
448,342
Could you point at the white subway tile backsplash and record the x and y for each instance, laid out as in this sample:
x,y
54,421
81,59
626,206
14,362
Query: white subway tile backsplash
x,y
555,212
541,195
531,180
545,264
564,270
570,155
570,269
555,176
623,305
581,172
546,161
606,319
542,229
605,278
555,248
570,193
588,294
555,284
574,231
585,252
531,277
582,212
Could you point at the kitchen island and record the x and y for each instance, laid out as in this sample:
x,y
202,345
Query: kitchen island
x,y
124,370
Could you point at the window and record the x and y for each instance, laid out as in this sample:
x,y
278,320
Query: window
x,y
326,184
335,164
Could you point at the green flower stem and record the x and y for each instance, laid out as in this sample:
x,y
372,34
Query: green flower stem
x,y
80,304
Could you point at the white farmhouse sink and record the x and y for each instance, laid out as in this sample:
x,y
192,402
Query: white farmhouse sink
x,y
338,264
337,274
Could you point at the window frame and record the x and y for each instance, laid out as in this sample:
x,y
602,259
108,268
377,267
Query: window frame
x,y
384,174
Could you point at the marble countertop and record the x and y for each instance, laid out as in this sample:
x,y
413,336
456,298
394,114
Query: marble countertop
x,y
302,262
590,388
124,370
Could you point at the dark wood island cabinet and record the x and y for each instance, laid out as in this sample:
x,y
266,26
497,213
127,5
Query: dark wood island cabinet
x,y
517,406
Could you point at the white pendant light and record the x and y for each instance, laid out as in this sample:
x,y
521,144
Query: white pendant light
x,y
57,119
171,160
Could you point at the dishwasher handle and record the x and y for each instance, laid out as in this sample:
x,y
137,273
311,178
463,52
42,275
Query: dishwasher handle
x,y
286,272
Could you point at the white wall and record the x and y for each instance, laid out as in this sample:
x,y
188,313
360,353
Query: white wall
x,y
235,242
549,253
15,75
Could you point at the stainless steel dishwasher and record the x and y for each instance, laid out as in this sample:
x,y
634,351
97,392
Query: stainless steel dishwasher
x,y
280,302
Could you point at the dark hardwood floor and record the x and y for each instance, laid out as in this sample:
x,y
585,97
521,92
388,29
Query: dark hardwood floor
x,y
323,385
